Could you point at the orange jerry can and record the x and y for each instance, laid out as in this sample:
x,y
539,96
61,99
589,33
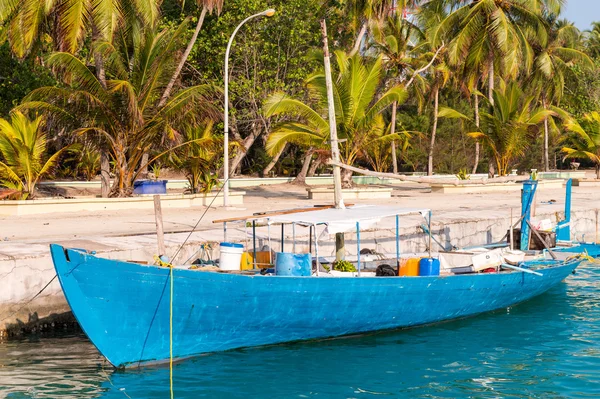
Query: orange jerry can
x,y
410,267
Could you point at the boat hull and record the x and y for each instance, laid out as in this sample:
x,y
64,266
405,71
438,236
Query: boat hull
x,y
124,308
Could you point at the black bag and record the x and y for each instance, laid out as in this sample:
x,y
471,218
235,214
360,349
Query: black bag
x,y
385,271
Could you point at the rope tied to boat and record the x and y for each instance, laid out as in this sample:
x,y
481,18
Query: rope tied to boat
x,y
584,256
171,268
159,261
165,263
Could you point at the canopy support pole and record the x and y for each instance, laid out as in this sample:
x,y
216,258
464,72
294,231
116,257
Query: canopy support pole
x,y
310,237
282,236
316,248
269,240
246,237
294,237
254,243
398,241
358,245
225,231
429,221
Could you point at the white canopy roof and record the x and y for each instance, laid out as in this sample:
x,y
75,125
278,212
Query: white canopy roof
x,y
344,220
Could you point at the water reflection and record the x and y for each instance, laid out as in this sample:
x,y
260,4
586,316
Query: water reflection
x,y
545,348
45,367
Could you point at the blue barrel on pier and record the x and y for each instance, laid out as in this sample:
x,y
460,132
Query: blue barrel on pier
x,y
290,264
429,267
150,187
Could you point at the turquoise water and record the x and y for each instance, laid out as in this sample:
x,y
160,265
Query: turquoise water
x,y
548,347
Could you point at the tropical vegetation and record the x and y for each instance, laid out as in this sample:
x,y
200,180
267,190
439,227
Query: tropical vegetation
x,y
437,86
584,141
22,147
358,111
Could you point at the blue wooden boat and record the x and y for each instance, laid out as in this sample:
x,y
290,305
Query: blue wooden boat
x,y
124,308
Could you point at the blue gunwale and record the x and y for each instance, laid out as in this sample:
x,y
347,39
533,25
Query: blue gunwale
x,y
124,307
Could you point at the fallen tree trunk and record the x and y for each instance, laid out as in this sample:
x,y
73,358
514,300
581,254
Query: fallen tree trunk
x,y
428,179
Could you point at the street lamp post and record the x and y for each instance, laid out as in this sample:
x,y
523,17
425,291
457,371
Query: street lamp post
x,y
270,12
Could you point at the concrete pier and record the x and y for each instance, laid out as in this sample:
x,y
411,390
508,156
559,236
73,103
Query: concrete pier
x,y
458,220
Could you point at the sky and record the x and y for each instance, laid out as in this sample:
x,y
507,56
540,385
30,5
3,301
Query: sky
x,y
582,12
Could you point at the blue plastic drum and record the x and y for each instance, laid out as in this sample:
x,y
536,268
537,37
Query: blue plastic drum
x,y
150,187
429,267
290,264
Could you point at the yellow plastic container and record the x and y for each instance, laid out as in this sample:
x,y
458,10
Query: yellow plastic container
x,y
263,261
410,267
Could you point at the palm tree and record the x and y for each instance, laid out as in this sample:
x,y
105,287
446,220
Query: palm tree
x,y
22,148
490,37
27,20
396,38
358,110
431,17
377,152
584,142
505,131
200,157
125,116
438,79
554,58
592,40
362,12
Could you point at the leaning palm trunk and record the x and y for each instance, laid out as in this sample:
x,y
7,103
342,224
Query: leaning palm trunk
x,y
184,57
359,39
301,177
273,162
313,167
104,174
246,144
393,131
477,145
491,171
347,181
433,131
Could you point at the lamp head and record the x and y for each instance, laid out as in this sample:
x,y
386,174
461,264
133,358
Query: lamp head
x,y
269,13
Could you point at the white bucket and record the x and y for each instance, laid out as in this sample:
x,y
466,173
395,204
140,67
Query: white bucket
x,y
231,256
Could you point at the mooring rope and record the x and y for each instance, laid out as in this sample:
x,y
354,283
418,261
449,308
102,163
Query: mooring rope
x,y
201,217
171,336
105,374
31,300
170,265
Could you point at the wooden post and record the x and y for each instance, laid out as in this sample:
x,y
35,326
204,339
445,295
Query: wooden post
x,y
160,234
340,249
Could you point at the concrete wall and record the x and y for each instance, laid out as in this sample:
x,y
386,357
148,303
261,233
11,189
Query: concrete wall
x,y
240,182
44,206
26,268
